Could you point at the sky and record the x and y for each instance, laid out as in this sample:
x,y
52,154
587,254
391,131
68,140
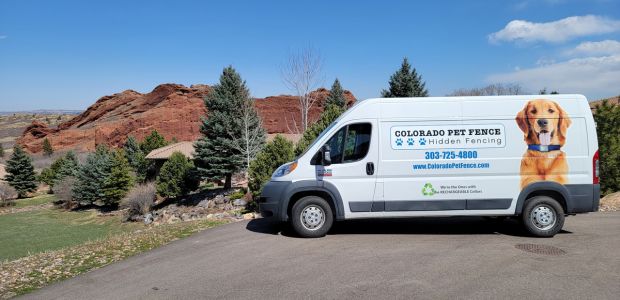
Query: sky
x,y
67,54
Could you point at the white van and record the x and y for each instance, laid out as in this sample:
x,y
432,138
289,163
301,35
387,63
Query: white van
x,y
532,157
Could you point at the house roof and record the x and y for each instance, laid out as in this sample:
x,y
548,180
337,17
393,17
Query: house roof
x,y
187,148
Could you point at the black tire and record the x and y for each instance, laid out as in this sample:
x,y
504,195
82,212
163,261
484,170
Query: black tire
x,y
542,216
311,207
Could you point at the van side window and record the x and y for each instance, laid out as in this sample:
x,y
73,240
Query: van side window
x,y
357,142
349,144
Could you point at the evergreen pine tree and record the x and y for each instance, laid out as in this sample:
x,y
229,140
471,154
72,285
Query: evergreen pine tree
x,y
118,182
91,176
147,169
136,158
405,83
273,155
152,142
329,115
336,95
20,172
175,178
47,147
132,150
68,168
217,154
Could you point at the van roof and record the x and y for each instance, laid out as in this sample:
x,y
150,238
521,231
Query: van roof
x,y
480,98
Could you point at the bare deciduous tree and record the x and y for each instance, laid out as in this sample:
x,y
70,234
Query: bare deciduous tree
x,y
252,135
496,89
302,74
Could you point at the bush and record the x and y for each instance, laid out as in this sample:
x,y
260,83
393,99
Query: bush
x,y
177,176
7,194
607,118
47,177
275,153
139,200
64,193
237,195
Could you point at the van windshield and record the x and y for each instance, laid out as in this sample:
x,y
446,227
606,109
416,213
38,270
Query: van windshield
x,y
319,137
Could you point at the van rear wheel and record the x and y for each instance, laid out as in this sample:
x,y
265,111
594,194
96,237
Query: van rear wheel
x,y
311,217
543,216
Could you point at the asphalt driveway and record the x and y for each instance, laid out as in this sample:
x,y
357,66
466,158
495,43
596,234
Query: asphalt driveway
x,y
419,258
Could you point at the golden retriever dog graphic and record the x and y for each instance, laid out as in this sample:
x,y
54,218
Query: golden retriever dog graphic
x,y
544,124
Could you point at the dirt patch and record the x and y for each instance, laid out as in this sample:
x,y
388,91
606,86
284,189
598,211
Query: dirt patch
x,y
610,202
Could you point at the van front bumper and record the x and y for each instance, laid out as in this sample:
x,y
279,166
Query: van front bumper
x,y
271,199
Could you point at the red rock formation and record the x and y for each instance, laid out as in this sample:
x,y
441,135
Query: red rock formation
x,y
281,114
173,110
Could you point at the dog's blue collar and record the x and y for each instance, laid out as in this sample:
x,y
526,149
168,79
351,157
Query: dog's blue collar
x,y
543,148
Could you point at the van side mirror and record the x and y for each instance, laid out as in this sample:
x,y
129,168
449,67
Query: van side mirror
x,y
326,156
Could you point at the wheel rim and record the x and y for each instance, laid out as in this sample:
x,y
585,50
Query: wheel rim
x,y
312,217
543,217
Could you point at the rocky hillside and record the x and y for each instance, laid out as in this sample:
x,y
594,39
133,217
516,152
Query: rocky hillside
x,y
612,101
173,110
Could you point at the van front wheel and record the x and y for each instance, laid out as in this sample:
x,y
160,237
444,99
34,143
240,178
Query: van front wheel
x,y
543,216
311,217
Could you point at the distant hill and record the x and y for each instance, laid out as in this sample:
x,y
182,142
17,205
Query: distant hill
x,y
12,125
612,100
42,112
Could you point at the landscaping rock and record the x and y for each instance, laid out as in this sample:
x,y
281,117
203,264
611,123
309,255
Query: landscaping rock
x,y
205,203
219,199
240,202
248,216
148,218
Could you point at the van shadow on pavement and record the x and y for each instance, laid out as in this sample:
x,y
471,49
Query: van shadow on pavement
x,y
426,225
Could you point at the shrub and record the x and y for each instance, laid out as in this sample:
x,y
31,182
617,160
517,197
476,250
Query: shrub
x,y
1,151
64,193
176,177
139,200
47,177
20,172
7,194
275,153
607,118
237,195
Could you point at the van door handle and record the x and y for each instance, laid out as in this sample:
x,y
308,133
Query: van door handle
x,y
370,168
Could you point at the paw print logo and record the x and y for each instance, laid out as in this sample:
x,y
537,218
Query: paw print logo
x,y
399,142
410,141
422,141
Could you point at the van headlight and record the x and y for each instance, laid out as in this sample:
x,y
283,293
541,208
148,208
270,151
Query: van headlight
x,y
285,169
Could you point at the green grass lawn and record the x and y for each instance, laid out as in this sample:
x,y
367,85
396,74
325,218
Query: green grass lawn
x,y
25,233
42,199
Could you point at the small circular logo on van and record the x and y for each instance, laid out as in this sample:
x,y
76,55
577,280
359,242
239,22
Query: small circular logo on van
x,y
428,190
